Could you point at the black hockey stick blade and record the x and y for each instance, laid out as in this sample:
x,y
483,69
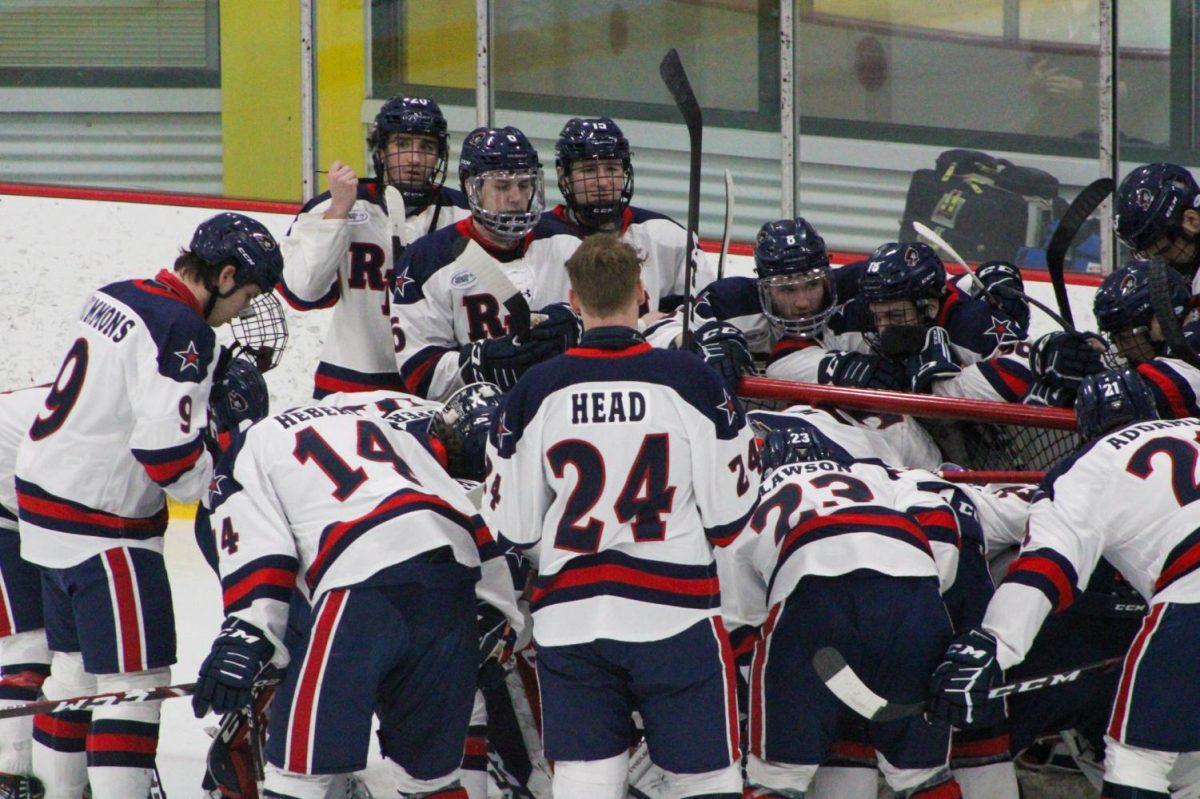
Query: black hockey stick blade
x,y
1080,209
1160,300
849,688
673,75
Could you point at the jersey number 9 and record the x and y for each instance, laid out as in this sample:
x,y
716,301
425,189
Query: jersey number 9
x,y
64,392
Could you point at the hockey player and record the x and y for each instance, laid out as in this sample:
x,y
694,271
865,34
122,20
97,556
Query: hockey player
x,y
339,251
650,464
1083,514
595,176
341,503
122,427
447,317
1125,313
1158,216
835,555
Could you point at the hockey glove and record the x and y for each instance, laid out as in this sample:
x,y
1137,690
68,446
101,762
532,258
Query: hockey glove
x,y
503,360
724,348
226,682
934,362
497,639
961,683
1044,394
1004,288
561,326
862,370
1063,358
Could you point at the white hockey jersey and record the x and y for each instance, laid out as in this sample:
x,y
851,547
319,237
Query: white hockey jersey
x,y
323,497
121,427
17,412
438,306
619,467
1174,384
828,518
1128,496
347,264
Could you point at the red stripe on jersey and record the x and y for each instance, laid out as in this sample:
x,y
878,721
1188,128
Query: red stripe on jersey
x,y
1179,408
61,510
305,702
937,518
989,747
786,345
171,287
730,669
8,623
476,746
1016,384
170,471
596,352
952,298
413,382
58,728
758,722
1132,658
868,521
607,573
1052,572
117,742
270,576
129,628
327,300
332,385
1180,566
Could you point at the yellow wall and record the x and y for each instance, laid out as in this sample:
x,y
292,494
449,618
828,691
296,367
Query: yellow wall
x,y
260,93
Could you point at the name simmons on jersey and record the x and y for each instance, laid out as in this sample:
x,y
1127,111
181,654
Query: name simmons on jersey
x,y
107,319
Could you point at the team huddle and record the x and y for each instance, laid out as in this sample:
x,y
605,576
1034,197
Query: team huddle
x,y
526,457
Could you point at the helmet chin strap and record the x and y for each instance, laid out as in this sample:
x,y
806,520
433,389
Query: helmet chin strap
x,y
214,294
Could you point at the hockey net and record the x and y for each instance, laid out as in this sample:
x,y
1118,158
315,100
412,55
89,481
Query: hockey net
x,y
993,441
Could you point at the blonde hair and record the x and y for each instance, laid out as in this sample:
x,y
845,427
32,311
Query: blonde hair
x,y
604,273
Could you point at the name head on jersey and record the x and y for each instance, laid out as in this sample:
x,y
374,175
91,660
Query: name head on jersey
x,y
502,177
239,394
795,281
903,287
598,407
237,241
1125,313
595,173
1157,215
1112,399
410,148
462,425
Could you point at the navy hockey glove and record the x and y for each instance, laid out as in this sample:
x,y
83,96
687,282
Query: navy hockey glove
x,y
561,326
239,654
1042,393
862,370
960,685
503,360
724,348
934,362
1063,358
1004,288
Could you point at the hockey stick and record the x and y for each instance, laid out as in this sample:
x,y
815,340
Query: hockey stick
x,y
110,699
841,680
473,259
397,214
1160,300
1005,291
671,71
1080,209
729,203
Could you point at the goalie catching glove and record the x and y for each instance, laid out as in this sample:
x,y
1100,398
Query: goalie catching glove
x,y
962,681
503,360
239,654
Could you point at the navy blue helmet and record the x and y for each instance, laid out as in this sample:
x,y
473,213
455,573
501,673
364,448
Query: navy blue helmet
x,y
1150,205
229,238
416,116
239,394
462,426
903,272
1123,300
593,139
789,255
788,439
1112,399
503,153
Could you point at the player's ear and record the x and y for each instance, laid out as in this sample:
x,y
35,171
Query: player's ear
x,y
1191,221
226,278
573,301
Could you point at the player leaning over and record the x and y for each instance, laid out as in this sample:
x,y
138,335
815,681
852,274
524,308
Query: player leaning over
x,y
649,465
357,513
122,427
1158,216
595,176
1084,513
339,251
451,327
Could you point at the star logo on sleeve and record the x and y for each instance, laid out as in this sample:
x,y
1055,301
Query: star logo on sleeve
x,y
189,358
403,281
1001,329
215,488
502,431
729,407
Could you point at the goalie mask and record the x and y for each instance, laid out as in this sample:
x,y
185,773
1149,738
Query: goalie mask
x,y
462,426
795,281
595,174
1125,312
903,288
410,148
1150,204
502,177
